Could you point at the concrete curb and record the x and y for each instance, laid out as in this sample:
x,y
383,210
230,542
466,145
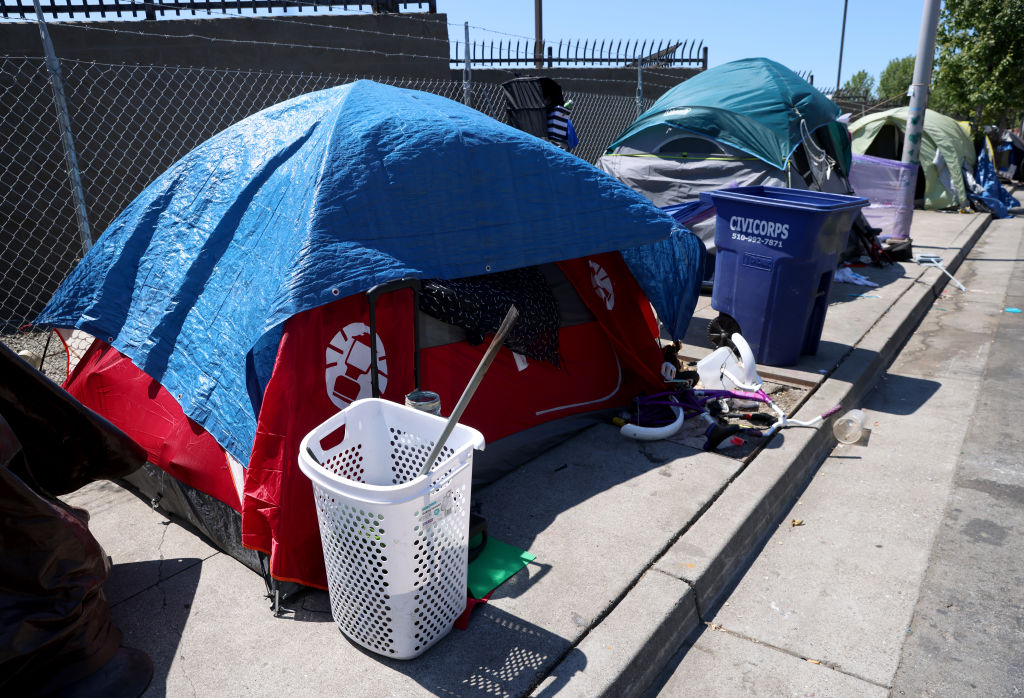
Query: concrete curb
x,y
656,616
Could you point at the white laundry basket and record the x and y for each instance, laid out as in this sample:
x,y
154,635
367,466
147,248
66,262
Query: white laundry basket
x,y
395,542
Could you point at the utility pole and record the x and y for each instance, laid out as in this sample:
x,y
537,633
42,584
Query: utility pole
x,y
919,88
538,44
842,40
918,93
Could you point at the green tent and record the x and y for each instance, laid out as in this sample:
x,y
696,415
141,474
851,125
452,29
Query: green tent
x,y
754,105
882,134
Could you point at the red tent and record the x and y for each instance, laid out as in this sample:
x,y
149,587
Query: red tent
x,y
608,354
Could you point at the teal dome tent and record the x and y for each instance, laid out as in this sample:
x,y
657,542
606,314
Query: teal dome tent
x,y
751,121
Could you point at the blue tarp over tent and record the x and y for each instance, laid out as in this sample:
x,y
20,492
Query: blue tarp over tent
x,y
316,199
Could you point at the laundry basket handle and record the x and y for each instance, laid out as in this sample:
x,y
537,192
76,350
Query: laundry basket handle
x,y
311,443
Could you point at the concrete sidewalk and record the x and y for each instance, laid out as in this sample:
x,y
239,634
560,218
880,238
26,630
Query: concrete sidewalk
x,y
636,543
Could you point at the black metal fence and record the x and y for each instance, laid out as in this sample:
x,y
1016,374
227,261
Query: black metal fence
x,y
150,9
580,53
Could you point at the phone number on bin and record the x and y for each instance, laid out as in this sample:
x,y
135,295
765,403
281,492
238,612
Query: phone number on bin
x,y
756,240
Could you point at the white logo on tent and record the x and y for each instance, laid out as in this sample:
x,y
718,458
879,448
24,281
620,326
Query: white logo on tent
x,y
602,284
348,365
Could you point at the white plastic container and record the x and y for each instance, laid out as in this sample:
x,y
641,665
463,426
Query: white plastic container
x,y
850,427
395,541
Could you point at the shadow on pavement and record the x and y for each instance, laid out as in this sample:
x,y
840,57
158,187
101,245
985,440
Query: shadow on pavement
x,y
506,657
154,619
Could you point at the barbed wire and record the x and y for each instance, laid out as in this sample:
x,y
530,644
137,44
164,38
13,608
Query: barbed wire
x,y
287,19
250,42
513,71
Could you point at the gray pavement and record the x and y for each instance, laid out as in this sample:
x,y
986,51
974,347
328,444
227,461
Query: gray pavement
x,y
637,544
968,627
856,600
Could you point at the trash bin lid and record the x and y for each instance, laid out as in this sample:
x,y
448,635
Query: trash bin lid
x,y
782,197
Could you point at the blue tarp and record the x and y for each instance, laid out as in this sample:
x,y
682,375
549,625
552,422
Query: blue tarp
x,y
657,268
995,199
316,199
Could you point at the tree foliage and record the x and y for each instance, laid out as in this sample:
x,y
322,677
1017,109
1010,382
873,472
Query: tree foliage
x,y
860,84
980,60
895,80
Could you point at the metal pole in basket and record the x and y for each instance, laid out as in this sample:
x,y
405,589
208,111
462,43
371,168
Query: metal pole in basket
x,y
474,382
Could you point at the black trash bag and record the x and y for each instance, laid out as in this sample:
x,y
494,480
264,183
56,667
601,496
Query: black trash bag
x,y
56,636
66,445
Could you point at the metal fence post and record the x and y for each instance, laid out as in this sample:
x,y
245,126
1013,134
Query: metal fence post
x,y
467,95
639,86
61,105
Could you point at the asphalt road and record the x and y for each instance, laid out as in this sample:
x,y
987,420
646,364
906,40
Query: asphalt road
x,y
967,635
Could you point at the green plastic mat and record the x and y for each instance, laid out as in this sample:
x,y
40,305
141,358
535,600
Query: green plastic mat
x,y
497,562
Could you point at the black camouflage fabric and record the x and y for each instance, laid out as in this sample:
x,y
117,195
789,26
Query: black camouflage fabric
x,y
478,304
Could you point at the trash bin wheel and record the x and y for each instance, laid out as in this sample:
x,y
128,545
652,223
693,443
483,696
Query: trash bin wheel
x,y
721,330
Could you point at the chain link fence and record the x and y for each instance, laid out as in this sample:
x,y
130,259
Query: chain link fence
x,y
129,124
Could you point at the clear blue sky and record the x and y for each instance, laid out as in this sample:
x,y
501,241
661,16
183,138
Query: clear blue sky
x,y
801,34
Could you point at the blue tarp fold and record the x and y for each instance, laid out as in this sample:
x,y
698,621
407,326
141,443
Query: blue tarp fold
x,y
669,272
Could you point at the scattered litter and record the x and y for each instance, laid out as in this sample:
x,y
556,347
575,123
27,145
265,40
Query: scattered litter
x,y
845,275
1012,310
796,522
931,260
861,295
813,661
